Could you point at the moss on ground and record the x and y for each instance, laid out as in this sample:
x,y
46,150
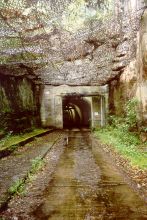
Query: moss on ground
x,y
13,140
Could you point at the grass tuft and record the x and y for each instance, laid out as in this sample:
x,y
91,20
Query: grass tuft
x,y
18,187
37,164
125,143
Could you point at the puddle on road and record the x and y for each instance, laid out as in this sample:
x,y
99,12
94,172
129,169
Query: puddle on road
x,y
86,187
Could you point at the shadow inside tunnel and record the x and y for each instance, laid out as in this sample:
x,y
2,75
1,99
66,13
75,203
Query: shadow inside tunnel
x,y
76,112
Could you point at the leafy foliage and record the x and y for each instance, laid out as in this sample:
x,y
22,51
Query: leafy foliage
x,y
125,143
131,113
121,136
129,120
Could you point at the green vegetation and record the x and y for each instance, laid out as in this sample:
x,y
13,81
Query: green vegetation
x,y
122,136
1,218
19,57
127,144
37,164
10,43
4,102
18,187
11,141
128,121
78,14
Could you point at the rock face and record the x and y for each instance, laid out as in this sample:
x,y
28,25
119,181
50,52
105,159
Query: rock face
x,y
18,104
92,55
96,57
133,81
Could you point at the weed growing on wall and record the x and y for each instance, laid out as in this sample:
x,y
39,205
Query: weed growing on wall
x,y
131,114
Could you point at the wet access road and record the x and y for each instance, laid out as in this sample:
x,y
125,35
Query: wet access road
x,y
86,186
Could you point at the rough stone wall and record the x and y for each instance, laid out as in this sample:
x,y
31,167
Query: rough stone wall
x,y
133,81
18,104
92,54
97,54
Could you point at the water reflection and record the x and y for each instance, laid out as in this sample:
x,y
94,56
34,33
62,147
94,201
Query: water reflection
x,y
86,187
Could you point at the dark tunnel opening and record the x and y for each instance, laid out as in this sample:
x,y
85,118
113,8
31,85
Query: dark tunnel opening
x,y
76,112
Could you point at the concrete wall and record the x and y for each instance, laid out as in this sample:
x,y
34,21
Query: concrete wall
x,y
99,110
51,103
51,108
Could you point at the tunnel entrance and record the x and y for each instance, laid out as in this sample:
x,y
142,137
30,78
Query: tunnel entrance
x,y
74,106
76,112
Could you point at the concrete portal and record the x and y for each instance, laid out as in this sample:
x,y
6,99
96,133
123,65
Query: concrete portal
x,y
74,107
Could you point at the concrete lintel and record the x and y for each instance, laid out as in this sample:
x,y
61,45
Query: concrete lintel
x,y
81,95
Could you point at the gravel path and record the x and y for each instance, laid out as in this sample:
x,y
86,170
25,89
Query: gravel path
x,y
18,164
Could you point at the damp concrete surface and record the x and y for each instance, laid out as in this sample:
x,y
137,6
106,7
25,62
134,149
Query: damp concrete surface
x,y
83,185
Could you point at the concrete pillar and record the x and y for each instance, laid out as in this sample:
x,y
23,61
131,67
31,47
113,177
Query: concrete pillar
x,y
103,115
46,108
96,111
58,112
92,114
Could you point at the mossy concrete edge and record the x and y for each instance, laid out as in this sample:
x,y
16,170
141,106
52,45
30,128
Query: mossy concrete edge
x,y
10,149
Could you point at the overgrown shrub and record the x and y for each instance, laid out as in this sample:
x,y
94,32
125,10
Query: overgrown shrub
x,y
128,121
131,113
